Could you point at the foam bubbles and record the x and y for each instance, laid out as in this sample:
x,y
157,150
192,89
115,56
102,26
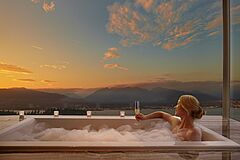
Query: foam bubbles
x,y
153,133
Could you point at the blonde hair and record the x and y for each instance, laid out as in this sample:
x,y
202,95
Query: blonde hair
x,y
192,106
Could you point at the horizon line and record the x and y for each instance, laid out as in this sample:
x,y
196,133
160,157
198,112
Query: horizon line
x,y
118,85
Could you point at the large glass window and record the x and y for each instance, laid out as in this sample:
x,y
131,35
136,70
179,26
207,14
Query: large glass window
x,y
235,57
104,55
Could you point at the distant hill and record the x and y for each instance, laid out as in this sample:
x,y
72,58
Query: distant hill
x,y
213,89
70,92
155,96
22,97
118,95
208,87
171,95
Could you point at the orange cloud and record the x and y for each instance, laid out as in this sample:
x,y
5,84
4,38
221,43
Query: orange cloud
x,y
167,24
113,49
58,67
26,80
173,44
146,4
216,22
183,30
37,47
213,33
111,53
48,81
13,68
124,21
47,7
114,65
165,10
181,35
136,27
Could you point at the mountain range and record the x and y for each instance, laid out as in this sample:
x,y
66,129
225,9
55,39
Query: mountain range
x,y
18,97
164,93
213,88
154,96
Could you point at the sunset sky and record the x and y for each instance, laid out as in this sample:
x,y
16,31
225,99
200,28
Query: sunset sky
x,y
98,43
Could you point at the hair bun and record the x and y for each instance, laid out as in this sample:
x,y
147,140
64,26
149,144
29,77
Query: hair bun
x,y
198,114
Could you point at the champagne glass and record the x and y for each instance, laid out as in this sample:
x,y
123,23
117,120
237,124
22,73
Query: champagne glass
x,y
137,111
137,107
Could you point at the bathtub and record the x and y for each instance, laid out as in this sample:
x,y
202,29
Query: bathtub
x,y
211,141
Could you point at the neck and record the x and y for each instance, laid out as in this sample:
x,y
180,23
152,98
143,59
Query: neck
x,y
186,122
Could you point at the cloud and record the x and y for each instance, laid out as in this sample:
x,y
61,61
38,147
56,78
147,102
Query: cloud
x,y
161,25
13,68
168,24
213,33
48,7
146,4
216,22
35,1
48,81
235,14
115,65
111,53
51,66
113,49
65,62
166,11
37,47
173,44
235,9
26,80
125,22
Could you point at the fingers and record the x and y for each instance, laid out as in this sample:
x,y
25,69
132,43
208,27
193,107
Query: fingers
x,y
136,117
139,116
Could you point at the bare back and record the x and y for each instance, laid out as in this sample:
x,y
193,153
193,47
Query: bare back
x,y
186,134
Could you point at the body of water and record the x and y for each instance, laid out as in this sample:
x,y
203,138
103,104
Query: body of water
x,y
235,112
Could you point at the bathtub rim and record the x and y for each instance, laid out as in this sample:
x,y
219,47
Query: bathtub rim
x,y
71,146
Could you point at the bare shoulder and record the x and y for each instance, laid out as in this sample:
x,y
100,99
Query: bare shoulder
x,y
175,121
176,118
194,134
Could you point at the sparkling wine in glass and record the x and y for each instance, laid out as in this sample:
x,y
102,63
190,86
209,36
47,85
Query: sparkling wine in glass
x,y
137,107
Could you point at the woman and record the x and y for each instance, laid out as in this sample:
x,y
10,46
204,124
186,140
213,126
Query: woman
x,y
188,109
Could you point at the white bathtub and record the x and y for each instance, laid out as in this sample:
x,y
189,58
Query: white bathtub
x,y
211,141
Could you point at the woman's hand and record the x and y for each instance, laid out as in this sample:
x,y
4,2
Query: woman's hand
x,y
140,116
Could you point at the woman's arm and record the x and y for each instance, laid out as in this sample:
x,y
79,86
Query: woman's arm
x,y
159,114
